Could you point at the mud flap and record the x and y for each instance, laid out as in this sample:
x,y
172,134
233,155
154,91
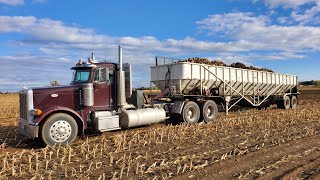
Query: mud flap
x,y
177,107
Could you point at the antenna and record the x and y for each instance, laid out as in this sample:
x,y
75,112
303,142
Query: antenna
x,y
24,86
92,59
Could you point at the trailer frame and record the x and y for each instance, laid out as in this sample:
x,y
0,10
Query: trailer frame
x,y
236,95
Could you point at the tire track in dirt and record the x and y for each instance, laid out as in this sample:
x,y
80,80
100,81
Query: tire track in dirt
x,y
309,168
293,166
235,167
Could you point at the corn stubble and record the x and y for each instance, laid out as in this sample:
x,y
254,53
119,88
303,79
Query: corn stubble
x,y
156,152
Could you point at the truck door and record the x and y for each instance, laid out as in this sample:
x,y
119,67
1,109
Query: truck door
x,y
103,88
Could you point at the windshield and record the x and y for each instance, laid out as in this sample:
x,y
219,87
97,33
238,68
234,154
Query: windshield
x,y
81,75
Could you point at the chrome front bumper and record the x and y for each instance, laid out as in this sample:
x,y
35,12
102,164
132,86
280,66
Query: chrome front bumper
x,y
28,130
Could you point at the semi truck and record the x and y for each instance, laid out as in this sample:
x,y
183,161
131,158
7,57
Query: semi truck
x,y
100,97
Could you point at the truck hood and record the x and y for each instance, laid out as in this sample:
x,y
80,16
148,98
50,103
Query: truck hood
x,y
55,89
64,96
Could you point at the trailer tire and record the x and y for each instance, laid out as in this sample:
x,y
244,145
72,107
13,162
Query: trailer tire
x,y
209,110
294,102
59,129
191,113
264,105
286,103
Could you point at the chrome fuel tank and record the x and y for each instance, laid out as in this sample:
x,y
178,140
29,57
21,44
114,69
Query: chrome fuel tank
x,y
140,117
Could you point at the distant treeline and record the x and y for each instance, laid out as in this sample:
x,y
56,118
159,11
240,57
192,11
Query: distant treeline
x,y
7,92
310,83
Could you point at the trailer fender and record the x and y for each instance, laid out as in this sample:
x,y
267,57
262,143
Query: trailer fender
x,y
50,111
286,94
177,107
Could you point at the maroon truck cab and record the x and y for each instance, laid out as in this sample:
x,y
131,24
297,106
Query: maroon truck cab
x,y
96,99
39,104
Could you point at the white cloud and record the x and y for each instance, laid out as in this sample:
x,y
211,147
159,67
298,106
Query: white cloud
x,y
230,22
39,1
279,56
32,59
248,58
287,3
12,2
300,14
260,31
283,20
48,30
33,70
55,44
246,32
19,2
56,34
309,16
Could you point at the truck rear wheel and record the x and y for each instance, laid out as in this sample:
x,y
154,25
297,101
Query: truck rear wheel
x,y
286,103
294,102
191,112
209,111
59,129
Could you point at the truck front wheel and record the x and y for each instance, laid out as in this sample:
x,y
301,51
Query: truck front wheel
x,y
59,129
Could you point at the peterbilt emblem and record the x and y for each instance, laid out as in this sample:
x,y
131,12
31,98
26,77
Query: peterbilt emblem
x,y
54,95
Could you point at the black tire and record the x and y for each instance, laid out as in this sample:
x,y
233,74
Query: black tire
x,y
191,113
264,106
209,111
286,103
294,102
261,108
59,129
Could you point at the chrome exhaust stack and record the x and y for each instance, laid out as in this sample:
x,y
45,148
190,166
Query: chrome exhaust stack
x,y
121,82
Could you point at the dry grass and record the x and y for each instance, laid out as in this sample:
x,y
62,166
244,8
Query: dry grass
x,y
308,88
157,152
9,109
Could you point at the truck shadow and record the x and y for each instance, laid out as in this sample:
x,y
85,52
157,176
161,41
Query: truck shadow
x,y
10,140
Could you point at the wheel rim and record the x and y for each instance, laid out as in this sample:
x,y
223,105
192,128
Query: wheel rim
x,y
191,113
287,102
60,131
210,111
294,103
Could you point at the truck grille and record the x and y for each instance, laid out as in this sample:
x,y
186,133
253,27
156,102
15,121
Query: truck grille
x,y
23,106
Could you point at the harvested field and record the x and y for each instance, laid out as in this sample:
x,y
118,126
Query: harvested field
x,y
247,144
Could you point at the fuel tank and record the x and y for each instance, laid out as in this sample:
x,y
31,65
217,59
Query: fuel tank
x,y
140,117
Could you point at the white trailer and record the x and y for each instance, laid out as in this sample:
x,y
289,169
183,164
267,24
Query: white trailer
x,y
206,85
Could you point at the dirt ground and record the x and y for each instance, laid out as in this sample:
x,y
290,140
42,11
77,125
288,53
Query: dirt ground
x,y
249,144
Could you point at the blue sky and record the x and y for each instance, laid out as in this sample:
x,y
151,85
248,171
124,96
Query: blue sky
x,y
41,39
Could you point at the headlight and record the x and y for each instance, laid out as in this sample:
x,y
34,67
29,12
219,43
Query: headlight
x,y
35,112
